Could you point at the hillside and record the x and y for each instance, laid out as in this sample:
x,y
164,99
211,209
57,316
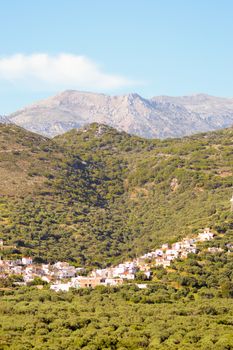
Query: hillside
x,y
97,196
159,117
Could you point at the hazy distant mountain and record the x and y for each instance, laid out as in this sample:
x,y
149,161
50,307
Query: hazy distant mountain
x,y
216,111
4,120
161,116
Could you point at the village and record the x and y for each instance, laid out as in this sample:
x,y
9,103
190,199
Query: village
x,y
62,276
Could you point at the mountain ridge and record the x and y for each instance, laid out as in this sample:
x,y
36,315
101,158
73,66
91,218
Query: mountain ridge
x,y
158,117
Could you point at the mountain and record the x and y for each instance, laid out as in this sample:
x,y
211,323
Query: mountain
x,y
159,117
4,120
96,196
216,111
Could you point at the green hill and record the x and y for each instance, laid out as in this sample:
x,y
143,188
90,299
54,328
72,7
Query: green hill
x,y
97,196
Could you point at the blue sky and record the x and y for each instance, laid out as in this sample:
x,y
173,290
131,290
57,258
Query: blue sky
x,y
153,47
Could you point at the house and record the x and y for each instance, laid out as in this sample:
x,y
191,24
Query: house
x,y
206,235
148,274
176,246
60,287
17,270
119,270
172,252
28,278
87,282
165,246
74,283
162,262
26,260
127,275
29,270
46,269
46,279
215,250
186,243
157,252
103,273
113,281
64,270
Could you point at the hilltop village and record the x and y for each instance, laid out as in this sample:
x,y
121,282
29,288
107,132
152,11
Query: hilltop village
x,y
62,276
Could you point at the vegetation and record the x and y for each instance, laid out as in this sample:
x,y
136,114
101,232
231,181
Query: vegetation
x,y
97,196
189,306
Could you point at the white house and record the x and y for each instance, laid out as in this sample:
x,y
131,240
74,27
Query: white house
x,y
231,201
113,281
28,278
176,245
215,250
165,246
64,270
127,276
75,282
17,270
206,235
61,287
46,269
141,285
172,252
46,279
162,262
26,260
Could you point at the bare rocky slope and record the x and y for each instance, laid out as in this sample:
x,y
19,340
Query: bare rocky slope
x,y
159,117
4,120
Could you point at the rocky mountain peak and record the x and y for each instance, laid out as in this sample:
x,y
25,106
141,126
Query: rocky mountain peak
x,y
4,120
158,117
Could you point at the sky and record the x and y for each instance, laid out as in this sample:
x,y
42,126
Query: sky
x,y
152,47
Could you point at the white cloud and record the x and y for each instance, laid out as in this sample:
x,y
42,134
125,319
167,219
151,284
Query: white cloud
x,y
63,71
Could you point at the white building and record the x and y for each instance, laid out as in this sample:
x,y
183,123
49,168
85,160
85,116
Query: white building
x,y
141,285
172,252
113,281
231,201
17,270
165,246
64,270
162,262
46,279
127,276
28,278
206,235
26,260
75,282
215,250
61,287
176,246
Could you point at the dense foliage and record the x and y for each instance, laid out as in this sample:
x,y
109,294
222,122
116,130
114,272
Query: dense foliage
x,y
189,306
97,196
